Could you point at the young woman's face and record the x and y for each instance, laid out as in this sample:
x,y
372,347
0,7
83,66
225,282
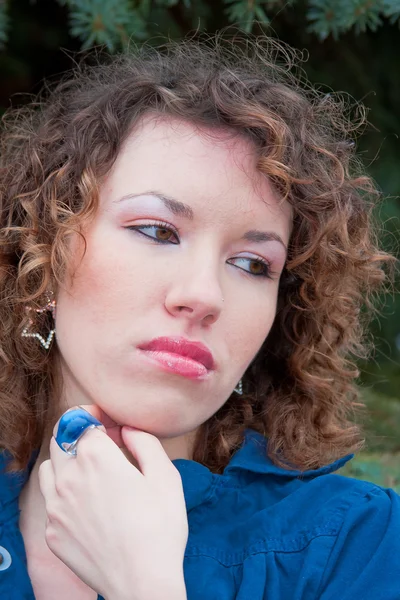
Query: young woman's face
x,y
198,196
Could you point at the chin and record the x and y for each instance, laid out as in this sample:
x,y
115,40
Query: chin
x,y
156,420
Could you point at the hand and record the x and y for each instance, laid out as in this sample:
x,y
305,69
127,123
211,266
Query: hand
x,y
123,530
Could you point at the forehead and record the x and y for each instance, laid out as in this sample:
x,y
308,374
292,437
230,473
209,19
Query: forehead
x,y
212,168
192,140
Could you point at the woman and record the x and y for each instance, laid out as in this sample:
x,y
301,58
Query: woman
x,y
174,222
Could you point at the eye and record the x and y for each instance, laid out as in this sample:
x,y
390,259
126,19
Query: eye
x,y
261,268
163,232
163,235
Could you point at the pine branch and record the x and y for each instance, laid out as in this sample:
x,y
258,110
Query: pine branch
x,y
335,17
391,10
366,15
105,22
246,12
113,22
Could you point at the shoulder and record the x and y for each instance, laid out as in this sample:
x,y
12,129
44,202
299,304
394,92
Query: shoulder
x,y
337,506
289,500
366,544
335,494
290,513
352,503
259,506
326,537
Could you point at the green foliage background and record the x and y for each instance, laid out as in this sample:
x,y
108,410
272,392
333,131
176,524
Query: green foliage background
x,y
353,47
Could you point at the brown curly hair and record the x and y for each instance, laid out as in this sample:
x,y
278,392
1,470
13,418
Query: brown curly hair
x,y
300,389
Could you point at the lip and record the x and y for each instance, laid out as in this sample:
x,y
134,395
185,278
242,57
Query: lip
x,y
180,356
182,347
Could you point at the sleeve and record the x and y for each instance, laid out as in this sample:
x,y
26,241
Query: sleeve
x,y
365,559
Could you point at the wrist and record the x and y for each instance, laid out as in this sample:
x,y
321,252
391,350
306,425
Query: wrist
x,y
170,586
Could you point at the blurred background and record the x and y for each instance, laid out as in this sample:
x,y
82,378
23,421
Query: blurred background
x,y
353,47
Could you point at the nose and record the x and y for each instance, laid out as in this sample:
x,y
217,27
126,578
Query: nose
x,y
196,293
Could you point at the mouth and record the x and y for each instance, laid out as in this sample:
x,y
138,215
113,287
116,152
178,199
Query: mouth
x,y
180,356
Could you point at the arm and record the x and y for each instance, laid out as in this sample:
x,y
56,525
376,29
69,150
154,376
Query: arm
x,y
169,585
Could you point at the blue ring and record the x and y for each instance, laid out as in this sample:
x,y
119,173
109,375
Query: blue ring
x,y
71,428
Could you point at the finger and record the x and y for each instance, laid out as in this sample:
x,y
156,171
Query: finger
x,y
147,450
112,428
48,490
60,459
47,481
96,447
73,421
72,425
95,450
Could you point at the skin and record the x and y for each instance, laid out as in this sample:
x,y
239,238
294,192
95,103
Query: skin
x,y
200,288
187,289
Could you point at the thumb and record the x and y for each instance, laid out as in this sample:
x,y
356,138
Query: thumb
x,y
147,450
112,428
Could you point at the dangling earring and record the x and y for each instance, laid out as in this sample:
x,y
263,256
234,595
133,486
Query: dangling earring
x,y
50,307
239,388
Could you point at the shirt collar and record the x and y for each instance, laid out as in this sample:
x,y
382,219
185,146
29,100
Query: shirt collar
x,y
198,481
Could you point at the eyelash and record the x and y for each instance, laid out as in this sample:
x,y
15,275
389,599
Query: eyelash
x,y
160,224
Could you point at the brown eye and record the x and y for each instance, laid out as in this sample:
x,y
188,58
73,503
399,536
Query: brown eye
x,y
258,267
162,233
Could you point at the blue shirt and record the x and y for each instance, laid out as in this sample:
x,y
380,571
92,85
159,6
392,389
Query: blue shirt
x,y
261,532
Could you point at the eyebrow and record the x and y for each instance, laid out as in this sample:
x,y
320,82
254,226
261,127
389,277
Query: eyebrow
x,y
180,209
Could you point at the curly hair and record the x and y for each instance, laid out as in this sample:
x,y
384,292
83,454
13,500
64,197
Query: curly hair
x,y
300,389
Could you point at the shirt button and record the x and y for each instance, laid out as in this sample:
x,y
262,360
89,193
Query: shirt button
x,y
5,559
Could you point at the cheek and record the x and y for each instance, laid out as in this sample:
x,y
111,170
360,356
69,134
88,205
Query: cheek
x,y
90,290
92,294
108,285
251,329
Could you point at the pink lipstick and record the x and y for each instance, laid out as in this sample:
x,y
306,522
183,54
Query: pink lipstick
x,y
179,355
